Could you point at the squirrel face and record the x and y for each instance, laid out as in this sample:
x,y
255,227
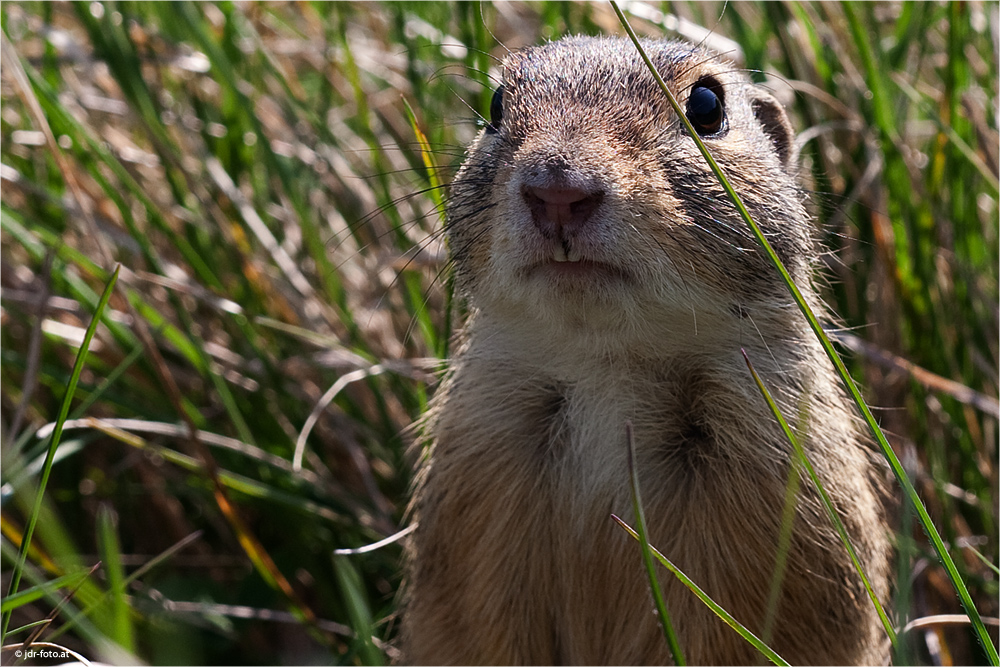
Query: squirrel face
x,y
585,194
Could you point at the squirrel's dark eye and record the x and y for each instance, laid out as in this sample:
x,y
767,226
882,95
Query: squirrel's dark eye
x,y
496,110
705,109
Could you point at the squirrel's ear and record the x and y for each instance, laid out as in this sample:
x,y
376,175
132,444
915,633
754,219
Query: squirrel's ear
x,y
772,118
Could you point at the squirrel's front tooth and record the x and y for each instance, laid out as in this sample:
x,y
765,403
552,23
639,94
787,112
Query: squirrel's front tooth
x,y
560,254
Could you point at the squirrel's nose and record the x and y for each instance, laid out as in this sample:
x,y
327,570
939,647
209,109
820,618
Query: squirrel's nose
x,y
559,212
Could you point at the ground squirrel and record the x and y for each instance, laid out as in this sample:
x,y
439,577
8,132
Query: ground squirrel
x,y
609,280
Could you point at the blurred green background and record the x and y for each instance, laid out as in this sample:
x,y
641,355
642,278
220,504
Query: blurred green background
x,y
269,176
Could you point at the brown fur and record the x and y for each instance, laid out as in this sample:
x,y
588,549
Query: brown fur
x,y
515,559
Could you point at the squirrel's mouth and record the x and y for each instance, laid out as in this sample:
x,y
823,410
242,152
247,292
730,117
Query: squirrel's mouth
x,y
576,272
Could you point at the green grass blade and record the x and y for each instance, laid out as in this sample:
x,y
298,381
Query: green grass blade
x,y
436,342
29,626
986,561
763,648
358,609
110,550
887,452
427,156
647,557
784,544
107,382
831,512
29,595
81,359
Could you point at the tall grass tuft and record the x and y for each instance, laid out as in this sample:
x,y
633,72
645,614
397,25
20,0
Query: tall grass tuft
x,y
269,176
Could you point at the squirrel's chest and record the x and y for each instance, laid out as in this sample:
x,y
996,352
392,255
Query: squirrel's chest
x,y
563,447
520,496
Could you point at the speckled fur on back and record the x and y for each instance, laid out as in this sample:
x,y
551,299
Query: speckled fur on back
x,y
633,310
